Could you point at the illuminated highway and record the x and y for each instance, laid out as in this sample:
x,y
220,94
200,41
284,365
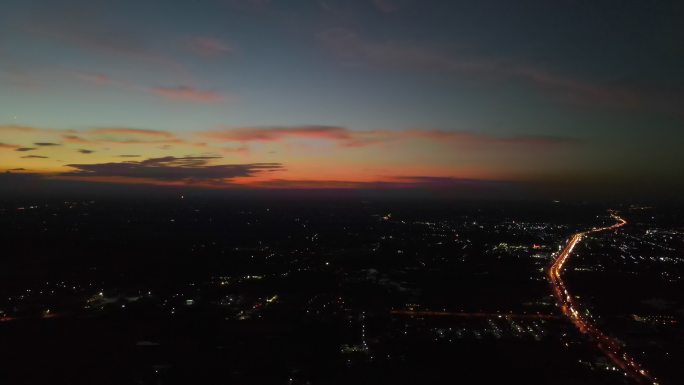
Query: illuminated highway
x,y
608,345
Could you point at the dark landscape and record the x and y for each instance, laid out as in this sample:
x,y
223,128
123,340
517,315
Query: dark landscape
x,y
341,192
332,291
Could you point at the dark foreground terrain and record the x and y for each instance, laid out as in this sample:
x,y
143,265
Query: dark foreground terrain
x,y
206,291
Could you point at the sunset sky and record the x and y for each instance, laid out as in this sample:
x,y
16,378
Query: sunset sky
x,y
343,94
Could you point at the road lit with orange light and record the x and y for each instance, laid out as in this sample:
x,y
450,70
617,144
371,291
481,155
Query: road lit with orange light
x,y
610,346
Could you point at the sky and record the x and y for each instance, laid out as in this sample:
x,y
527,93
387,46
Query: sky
x,y
391,94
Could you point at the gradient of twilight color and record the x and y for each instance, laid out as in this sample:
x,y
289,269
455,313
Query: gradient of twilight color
x,y
345,94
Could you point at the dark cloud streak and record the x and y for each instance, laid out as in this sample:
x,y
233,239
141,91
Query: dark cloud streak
x,y
170,168
357,138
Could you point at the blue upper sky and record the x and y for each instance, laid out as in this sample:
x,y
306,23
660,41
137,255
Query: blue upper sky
x,y
609,74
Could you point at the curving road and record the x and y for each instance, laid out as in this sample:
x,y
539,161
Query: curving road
x,y
608,345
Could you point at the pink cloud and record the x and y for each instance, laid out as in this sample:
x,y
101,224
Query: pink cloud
x,y
236,150
577,91
76,139
267,134
188,94
178,93
96,79
87,29
346,137
393,182
120,135
352,49
209,47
